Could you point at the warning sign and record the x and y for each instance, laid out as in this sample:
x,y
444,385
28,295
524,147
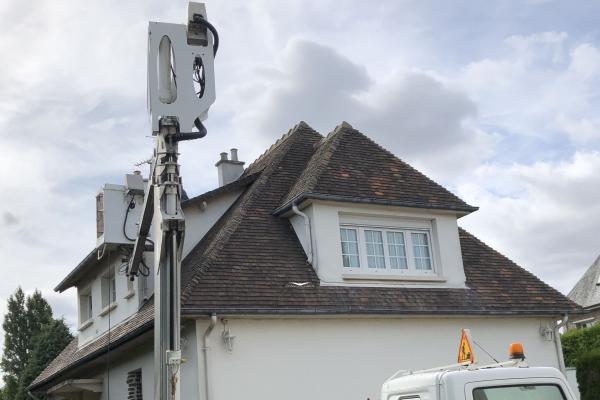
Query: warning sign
x,y
465,350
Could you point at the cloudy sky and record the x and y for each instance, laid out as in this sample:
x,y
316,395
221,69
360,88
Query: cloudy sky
x,y
498,101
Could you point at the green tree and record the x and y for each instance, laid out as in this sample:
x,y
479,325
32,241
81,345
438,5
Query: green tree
x,y
51,340
22,325
15,355
38,313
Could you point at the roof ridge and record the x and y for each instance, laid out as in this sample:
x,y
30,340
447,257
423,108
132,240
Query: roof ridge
x,y
279,141
329,142
309,183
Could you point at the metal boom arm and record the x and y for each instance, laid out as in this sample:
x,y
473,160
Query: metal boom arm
x,y
174,109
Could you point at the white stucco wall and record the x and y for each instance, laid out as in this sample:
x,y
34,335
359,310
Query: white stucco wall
x,y
141,357
325,224
114,380
198,221
126,305
342,358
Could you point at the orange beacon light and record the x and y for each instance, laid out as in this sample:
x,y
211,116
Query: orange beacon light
x,y
515,351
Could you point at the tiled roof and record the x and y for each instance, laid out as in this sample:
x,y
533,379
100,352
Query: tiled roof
x,y
228,188
247,261
502,286
348,166
586,291
73,356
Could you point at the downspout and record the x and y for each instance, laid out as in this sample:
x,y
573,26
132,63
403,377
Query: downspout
x,y
309,257
205,349
557,343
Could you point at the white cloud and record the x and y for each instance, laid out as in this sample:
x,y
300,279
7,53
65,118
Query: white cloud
x,y
585,61
487,105
542,215
412,113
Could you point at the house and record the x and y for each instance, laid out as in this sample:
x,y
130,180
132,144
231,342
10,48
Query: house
x,y
586,293
316,272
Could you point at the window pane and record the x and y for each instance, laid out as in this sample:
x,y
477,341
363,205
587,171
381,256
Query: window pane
x,y
375,255
349,240
397,250
422,255
85,303
113,290
524,392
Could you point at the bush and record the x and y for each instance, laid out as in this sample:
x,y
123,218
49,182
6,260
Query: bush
x,y
579,342
588,375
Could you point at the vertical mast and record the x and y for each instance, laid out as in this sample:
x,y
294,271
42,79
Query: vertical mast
x,y
177,105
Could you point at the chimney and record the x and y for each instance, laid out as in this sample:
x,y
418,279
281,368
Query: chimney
x,y
229,169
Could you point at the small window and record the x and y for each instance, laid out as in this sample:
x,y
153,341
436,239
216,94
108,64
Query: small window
x,y
386,250
520,392
85,306
350,248
109,290
134,385
99,214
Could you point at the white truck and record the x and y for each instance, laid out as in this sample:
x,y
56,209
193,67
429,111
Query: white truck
x,y
511,380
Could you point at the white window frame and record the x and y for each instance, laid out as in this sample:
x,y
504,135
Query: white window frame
x,y
408,247
112,282
86,305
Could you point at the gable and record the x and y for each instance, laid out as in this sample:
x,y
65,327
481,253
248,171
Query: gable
x,y
348,166
586,291
252,262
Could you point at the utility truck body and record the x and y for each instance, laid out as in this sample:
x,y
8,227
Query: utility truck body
x,y
466,380
496,382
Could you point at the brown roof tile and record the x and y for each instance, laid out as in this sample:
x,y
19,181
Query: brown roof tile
x,y
349,166
72,355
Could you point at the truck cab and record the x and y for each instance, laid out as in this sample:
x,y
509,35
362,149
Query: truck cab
x,y
497,382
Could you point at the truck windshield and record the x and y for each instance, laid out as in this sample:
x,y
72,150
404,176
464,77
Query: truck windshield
x,y
524,392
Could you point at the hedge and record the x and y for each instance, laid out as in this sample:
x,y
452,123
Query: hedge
x,y
578,342
588,375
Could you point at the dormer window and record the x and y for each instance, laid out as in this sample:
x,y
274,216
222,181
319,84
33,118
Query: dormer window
x,y
386,250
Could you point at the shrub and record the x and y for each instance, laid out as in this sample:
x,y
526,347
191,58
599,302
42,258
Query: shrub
x,y
588,375
577,343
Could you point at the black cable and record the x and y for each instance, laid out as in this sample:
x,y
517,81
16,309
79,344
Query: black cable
x,y
199,76
199,70
486,352
199,19
129,207
174,77
145,271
